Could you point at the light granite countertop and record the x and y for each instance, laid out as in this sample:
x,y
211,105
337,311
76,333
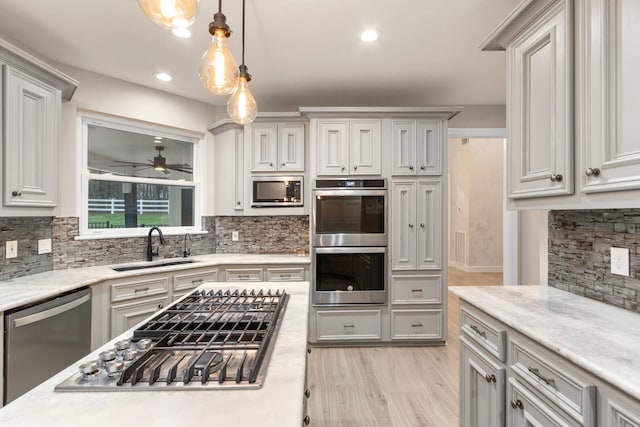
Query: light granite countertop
x,y
38,287
600,338
278,403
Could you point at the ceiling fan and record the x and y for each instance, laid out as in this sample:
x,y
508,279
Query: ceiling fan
x,y
159,163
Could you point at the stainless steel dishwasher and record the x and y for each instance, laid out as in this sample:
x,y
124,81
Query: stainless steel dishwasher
x,y
44,338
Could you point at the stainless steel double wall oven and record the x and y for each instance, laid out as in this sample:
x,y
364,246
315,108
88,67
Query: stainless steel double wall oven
x,y
349,238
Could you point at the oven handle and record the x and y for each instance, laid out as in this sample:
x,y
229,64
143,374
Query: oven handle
x,y
350,192
37,317
350,249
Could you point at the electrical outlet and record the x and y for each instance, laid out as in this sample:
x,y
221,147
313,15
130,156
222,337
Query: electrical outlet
x,y
44,246
234,236
620,261
11,249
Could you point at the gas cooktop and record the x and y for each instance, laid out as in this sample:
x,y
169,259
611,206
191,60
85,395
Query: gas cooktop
x,y
207,340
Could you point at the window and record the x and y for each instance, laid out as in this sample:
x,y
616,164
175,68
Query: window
x,y
137,175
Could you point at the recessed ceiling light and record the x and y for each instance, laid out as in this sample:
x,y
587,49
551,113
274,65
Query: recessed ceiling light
x,y
183,33
369,36
163,77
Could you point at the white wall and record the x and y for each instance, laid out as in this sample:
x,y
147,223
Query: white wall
x,y
102,94
480,116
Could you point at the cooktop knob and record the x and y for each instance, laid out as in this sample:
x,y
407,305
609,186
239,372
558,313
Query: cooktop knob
x,y
114,368
129,355
107,355
89,369
144,344
123,345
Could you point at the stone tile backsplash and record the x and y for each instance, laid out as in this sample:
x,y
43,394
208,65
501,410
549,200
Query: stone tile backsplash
x,y
26,231
262,234
71,253
579,254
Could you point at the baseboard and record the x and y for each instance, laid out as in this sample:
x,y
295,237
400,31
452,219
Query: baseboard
x,y
476,268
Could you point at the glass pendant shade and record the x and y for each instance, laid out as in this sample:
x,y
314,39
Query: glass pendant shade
x,y
218,68
242,106
170,14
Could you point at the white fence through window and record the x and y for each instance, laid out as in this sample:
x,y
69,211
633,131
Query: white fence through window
x,y
114,206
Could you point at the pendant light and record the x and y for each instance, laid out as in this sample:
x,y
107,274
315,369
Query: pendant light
x,y
170,14
218,68
242,106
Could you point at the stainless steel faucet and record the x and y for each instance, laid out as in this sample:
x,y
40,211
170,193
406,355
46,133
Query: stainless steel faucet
x,y
186,251
150,252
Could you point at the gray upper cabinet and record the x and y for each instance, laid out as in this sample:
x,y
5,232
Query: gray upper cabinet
x,y
32,93
608,74
417,147
277,147
349,147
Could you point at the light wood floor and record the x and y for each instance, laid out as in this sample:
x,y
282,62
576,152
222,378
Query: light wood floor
x,y
391,386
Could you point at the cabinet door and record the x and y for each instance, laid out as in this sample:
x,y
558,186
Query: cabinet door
x,y
482,388
31,117
403,140
609,126
126,316
333,147
264,156
527,409
540,108
239,170
403,221
429,225
365,147
291,147
429,140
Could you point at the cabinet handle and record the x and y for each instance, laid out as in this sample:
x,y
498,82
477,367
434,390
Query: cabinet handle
x,y
309,350
421,225
307,420
194,282
285,276
283,165
410,225
416,290
410,168
422,168
355,168
160,306
490,378
342,169
243,276
416,325
516,403
349,325
140,290
238,203
556,178
536,373
478,331
16,193
592,172
307,393
270,163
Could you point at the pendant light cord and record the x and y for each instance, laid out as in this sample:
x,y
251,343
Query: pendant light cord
x,y
219,6
242,31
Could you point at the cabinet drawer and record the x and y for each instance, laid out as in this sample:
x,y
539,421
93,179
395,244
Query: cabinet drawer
x,y
484,332
416,324
293,274
244,275
527,408
189,281
348,325
416,290
573,393
139,288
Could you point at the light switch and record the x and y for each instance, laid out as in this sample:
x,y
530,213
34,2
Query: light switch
x,y
234,236
44,246
11,249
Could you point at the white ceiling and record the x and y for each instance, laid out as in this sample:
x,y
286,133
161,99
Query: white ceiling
x,y
299,52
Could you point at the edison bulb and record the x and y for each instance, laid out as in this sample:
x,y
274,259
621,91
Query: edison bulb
x,y
218,68
170,14
242,106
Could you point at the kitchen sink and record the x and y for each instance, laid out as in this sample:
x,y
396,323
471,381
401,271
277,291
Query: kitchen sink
x,y
154,265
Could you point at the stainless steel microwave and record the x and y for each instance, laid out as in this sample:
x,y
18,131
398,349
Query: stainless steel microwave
x,y
277,191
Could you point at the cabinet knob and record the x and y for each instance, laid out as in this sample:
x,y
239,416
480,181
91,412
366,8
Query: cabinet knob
x,y
556,178
490,378
309,350
592,172
307,393
238,203
421,225
355,168
16,193
410,168
410,225
160,306
307,420
342,169
283,165
516,403
422,168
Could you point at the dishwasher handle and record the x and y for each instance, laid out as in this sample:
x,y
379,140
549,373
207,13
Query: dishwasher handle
x,y
36,317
